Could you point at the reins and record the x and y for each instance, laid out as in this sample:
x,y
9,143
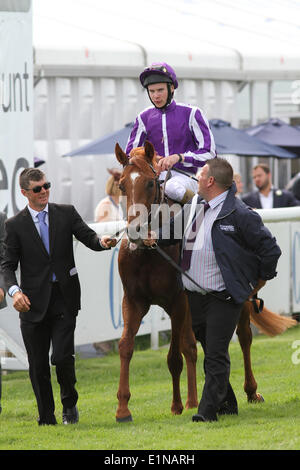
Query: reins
x,y
184,173
158,192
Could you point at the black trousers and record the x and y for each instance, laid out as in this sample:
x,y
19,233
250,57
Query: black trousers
x,y
214,321
56,330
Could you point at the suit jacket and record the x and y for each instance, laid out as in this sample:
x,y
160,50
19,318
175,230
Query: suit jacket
x,y
25,246
2,234
281,198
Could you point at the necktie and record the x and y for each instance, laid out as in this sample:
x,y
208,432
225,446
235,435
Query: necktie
x,y
44,231
187,253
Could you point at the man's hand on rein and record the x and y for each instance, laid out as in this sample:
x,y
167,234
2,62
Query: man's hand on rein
x,y
259,285
108,242
151,240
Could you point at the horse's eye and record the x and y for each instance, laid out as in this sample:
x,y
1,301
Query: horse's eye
x,y
121,187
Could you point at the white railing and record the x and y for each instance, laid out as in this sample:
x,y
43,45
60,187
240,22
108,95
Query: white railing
x,y
100,318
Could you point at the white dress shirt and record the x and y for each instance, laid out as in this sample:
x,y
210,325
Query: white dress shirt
x,y
266,201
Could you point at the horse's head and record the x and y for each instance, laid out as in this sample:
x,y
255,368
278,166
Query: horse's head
x,y
139,183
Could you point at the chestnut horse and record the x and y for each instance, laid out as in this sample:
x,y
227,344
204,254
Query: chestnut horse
x,y
148,279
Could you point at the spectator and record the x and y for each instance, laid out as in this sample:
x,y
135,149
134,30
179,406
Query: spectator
x,y
294,186
108,208
266,196
239,184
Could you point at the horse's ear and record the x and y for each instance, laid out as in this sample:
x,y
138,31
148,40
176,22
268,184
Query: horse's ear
x,y
149,150
121,156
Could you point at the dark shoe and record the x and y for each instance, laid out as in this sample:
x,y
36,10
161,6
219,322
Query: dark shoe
x,y
70,415
228,409
198,417
47,421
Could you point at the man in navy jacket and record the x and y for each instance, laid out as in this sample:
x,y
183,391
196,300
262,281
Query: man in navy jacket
x,y
231,255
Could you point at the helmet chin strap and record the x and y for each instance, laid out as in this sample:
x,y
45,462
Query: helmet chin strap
x,y
169,99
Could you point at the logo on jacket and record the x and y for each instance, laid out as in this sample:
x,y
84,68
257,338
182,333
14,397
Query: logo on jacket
x,y
227,228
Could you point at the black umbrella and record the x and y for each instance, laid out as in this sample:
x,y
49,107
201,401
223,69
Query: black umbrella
x,y
230,140
106,144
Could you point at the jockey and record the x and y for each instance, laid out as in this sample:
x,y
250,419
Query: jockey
x,y
180,133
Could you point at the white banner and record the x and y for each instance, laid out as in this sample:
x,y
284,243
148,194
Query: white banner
x,y
16,100
100,318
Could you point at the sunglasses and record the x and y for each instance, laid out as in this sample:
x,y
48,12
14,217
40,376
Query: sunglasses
x,y
38,189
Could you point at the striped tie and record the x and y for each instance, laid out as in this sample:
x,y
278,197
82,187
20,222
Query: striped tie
x,y
187,253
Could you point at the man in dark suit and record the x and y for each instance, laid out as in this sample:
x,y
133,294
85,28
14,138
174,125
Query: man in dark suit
x,y
2,288
40,238
267,197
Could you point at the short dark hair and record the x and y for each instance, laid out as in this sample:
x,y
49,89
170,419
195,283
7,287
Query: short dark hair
x,y
222,171
263,166
30,174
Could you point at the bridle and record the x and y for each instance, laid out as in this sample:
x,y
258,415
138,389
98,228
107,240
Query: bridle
x,y
159,198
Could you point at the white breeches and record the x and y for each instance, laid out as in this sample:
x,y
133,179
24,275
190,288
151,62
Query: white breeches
x,y
178,184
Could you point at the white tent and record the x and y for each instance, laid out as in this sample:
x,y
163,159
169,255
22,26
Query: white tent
x,y
227,38
88,55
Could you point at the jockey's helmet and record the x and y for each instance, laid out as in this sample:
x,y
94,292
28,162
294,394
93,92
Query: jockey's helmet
x,y
158,72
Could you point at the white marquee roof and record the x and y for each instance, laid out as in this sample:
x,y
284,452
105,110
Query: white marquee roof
x,y
221,38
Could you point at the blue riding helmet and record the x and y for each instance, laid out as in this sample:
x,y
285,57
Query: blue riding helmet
x,y
158,72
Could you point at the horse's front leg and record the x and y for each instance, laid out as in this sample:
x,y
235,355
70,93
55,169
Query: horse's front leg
x,y
244,334
132,316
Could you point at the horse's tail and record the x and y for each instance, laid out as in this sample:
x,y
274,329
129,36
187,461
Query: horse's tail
x,y
269,323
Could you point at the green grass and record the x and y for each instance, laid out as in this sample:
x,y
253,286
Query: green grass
x,y
271,425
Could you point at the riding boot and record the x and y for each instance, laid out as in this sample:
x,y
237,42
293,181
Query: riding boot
x,y
188,195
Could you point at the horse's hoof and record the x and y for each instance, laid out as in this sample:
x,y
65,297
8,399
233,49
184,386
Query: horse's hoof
x,y
177,411
258,398
127,419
